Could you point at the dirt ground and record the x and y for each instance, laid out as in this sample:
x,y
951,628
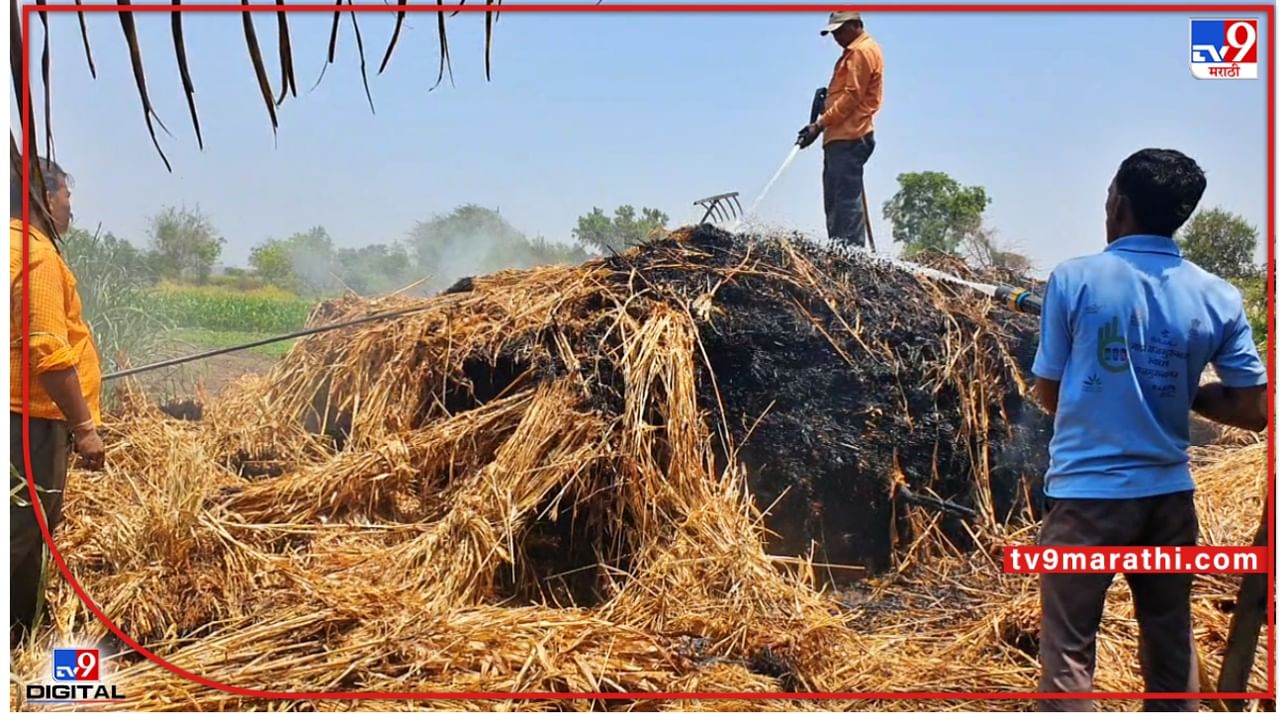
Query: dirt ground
x,y
182,383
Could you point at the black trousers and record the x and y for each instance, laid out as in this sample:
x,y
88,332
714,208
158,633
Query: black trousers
x,y
50,448
842,164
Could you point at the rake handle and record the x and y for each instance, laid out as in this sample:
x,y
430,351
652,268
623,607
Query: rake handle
x,y
261,342
866,220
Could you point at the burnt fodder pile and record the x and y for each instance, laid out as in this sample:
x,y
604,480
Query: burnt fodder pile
x,y
556,480
838,378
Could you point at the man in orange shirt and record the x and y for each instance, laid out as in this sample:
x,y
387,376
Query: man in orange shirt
x,y
854,97
65,378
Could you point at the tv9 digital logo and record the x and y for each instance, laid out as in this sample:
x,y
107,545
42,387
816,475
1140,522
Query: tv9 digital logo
x,y
75,665
77,677
1224,49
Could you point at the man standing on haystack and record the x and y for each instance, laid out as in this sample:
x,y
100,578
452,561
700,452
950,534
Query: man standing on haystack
x,y
1124,337
854,96
65,379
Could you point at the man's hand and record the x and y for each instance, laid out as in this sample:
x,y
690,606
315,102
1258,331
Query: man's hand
x,y
1243,408
90,448
808,134
1047,393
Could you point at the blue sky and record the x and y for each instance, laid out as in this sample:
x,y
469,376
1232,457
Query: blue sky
x,y
648,109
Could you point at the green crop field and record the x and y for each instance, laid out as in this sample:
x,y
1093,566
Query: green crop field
x,y
221,309
202,338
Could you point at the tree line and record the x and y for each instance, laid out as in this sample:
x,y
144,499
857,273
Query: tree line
x,y
933,212
930,213
183,245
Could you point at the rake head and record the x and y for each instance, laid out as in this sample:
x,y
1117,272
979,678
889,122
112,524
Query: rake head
x,y
724,207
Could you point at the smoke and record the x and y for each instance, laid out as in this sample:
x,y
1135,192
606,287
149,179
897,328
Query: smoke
x,y
472,240
314,271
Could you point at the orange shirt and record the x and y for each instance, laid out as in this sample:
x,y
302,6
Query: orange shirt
x,y
59,335
855,92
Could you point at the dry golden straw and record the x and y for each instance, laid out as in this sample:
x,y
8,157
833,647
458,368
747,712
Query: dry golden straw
x,y
382,513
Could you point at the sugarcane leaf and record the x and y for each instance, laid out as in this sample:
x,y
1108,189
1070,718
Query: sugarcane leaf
x,y
364,75
16,61
84,35
188,88
444,49
259,68
44,79
488,41
333,45
139,76
287,81
395,35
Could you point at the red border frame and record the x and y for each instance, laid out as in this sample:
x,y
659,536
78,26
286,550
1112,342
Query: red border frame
x,y
1266,12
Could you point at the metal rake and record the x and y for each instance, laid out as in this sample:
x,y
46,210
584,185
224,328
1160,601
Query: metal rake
x,y
723,207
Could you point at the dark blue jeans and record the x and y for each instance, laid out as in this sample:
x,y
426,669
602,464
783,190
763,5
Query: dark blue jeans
x,y
842,188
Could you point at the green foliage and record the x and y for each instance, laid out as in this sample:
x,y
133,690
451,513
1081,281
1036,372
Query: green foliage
x,y
270,262
468,231
1254,290
1220,242
268,310
543,253
303,263
239,281
1224,243
933,211
204,338
473,240
376,269
309,265
624,229
184,244
112,277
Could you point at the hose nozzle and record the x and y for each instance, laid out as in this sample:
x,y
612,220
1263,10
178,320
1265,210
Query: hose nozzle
x,y
1019,299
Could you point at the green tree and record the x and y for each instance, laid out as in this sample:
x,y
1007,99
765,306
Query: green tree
x,y
1254,291
112,280
184,244
376,269
933,211
303,263
1220,242
543,252
472,240
624,229
466,236
270,262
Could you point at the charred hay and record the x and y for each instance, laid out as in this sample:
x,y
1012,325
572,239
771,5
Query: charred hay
x,y
831,376
605,478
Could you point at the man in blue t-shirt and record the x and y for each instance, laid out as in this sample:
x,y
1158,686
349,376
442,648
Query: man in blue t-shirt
x,y
1124,337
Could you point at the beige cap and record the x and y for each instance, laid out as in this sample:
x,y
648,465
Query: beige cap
x,y
837,19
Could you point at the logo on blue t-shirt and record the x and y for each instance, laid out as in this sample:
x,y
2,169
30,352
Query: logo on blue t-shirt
x,y
1113,353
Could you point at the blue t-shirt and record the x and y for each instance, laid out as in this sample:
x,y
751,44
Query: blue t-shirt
x,y
1127,333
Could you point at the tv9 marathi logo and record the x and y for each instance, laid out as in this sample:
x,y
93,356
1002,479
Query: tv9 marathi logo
x,y
1224,49
76,678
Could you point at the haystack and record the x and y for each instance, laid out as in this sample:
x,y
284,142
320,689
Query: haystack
x,y
637,475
